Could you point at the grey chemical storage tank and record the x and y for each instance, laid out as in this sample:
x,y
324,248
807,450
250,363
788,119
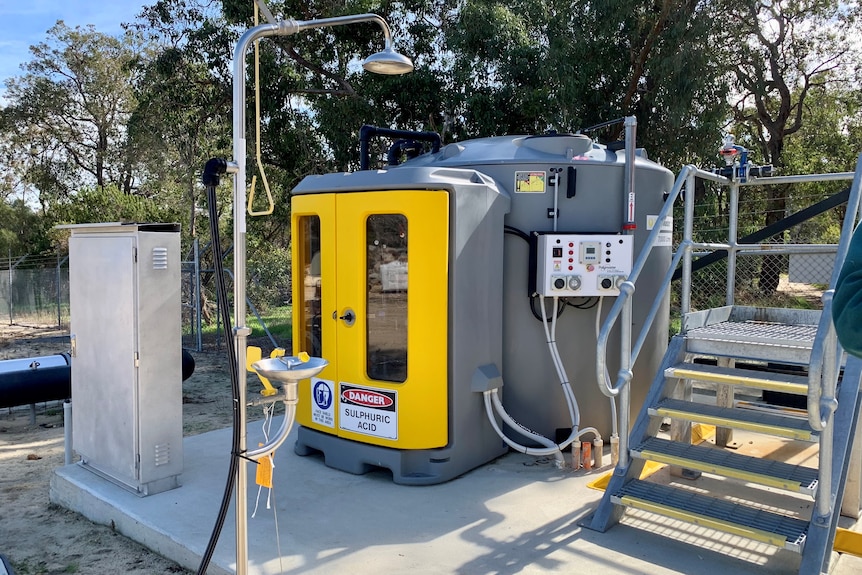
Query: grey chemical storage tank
x,y
588,180
359,242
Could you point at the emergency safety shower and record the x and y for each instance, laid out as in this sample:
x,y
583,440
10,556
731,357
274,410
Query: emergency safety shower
x,y
460,293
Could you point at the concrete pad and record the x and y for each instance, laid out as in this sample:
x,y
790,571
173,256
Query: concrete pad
x,y
514,515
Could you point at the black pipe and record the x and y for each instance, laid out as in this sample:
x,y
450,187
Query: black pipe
x,y
33,383
411,148
367,132
47,378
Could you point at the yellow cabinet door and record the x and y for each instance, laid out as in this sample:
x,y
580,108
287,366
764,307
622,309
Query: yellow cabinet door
x,y
371,296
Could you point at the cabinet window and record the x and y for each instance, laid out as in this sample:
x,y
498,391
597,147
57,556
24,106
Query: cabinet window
x,y
386,270
309,306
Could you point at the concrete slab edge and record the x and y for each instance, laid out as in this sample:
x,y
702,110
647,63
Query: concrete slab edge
x,y
70,492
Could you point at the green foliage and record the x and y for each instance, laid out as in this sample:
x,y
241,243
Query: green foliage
x,y
108,204
525,67
67,114
22,231
158,100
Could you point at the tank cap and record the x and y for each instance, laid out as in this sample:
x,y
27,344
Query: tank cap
x,y
452,150
557,144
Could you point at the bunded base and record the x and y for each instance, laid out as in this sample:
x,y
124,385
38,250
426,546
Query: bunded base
x,y
408,466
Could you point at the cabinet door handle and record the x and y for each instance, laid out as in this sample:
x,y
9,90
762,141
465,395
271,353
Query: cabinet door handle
x,y
348,317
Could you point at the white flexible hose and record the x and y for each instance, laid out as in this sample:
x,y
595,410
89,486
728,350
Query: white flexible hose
x,y
509,420
550,337
555,451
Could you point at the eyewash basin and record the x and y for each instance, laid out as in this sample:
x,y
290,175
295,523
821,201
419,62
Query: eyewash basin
x,y
289,368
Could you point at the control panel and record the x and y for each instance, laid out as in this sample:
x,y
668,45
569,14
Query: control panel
x,y
582,265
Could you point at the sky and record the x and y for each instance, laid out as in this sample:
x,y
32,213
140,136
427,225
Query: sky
x,y
25,22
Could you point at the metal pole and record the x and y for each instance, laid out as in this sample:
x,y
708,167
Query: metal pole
x,y
197,295
58,291
10,286
688,219
630,223
67,431
283,28
732,233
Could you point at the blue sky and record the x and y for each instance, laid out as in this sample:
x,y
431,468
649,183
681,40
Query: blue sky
x,y
25,22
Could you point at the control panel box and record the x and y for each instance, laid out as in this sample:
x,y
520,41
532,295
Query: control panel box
x,y
582,265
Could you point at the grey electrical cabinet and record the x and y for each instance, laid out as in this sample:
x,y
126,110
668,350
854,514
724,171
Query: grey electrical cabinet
x,y
124,283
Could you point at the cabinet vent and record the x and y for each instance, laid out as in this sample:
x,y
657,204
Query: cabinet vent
x,y
160,258
162,454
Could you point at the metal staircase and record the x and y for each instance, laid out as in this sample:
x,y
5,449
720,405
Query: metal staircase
x,y
720,355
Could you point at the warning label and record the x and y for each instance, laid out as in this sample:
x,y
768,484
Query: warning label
x,y
368,411
323,402
665,234
529,182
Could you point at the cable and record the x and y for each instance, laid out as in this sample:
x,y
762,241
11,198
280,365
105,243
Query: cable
x,y
551,338
512,230
221,295
589,303
561,307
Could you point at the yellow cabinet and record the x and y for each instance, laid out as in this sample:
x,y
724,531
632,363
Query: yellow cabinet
x,y
370,283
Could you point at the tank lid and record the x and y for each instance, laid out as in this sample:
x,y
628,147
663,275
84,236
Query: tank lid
x,y
567,145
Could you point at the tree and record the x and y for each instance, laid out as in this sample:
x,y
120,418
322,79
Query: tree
x,y
526,67
184,94
784,50
21,231
70,111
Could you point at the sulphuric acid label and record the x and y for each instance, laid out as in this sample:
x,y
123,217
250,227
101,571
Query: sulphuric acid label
x,y
368,411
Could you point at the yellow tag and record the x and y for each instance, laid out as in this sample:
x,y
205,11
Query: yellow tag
x,y
263,476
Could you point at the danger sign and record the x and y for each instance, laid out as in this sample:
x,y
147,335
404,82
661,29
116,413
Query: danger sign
x,y
368,411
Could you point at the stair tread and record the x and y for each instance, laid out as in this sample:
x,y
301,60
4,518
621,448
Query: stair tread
x,y
707,458
791,529
768,333
796,427
738,376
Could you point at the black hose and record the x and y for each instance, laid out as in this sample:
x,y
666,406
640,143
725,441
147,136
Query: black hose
x,y
211,181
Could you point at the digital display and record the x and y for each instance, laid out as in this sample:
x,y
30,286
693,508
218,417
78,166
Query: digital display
x,y
591,250
557,252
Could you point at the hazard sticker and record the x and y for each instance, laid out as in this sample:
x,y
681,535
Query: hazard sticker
x,y
665,234
323,402
529,182
368,411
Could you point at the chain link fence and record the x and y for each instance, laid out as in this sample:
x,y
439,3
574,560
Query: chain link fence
x,y
34,290
795,277
268,303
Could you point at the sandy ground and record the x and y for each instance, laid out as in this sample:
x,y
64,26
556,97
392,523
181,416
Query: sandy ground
x,y
39,538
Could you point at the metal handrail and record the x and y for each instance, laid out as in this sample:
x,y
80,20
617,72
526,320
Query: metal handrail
x,y
625,294
825,360
824,365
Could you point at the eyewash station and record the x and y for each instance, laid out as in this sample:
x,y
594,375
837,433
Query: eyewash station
x,y
440,396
